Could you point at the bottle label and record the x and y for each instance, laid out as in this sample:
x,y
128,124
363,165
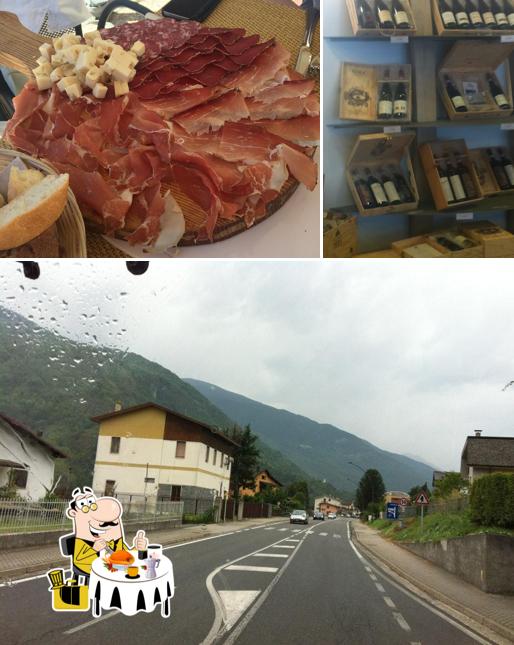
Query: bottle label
x,y
384,15
501,18
401,17
458,188
385,107
509,169
391,191
476,18
458,101
448,17
378,193
462,18
511,19
489,18
447,190
400,107
501,100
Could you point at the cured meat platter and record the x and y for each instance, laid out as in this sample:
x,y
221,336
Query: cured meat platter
x,y
213,133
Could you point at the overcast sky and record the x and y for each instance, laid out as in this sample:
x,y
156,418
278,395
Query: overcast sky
x,y
411,356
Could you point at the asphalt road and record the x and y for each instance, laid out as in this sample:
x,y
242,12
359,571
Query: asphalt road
x,y
277,584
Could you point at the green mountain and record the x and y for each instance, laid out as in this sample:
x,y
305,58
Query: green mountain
x,y
322,450
55,385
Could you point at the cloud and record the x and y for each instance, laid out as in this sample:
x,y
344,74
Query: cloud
x,y
411,356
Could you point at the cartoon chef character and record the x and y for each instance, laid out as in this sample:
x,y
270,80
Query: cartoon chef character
x,y
96,525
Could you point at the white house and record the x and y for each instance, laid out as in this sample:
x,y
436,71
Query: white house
x,y
151,451
26,460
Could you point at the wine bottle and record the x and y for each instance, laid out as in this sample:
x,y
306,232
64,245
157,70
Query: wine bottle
x,y
390,188
447,243
507,164
461,16
445,184
401,18
447,15
499,171
497,93
400,98
455,182
403,188
474,15
377,189
487,15
467,181
462,241
455,96
385,99
385,20
364,192
499,14
365,15
510,12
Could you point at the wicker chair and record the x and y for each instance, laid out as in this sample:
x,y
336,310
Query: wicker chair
x,y
19,46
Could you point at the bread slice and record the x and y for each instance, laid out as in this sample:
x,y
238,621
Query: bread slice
x,y
33,212
21,180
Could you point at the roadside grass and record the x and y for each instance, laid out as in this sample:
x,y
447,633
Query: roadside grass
x,y
437,526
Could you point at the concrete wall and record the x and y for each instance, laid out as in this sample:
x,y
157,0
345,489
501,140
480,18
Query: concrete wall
x,y
486,561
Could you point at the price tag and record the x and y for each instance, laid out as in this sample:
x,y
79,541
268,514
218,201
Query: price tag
x,y
507,126
464,216
392,129
507,39
400,40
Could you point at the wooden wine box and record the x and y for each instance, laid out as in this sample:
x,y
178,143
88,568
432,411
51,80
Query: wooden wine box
x,y
467,64
359,30
339,235
485,173
475,251
435,152
360,89
419,247
480,33
374,151
497,242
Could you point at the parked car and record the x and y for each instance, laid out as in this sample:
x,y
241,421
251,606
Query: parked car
x,y
318,515
331,516
299,517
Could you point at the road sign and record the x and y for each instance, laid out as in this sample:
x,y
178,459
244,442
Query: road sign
x,y
422,499
392,511
404,501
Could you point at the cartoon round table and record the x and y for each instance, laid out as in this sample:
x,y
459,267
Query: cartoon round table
x,y
114,590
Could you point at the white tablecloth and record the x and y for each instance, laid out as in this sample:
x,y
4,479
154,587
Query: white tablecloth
x,y
62,14
112,590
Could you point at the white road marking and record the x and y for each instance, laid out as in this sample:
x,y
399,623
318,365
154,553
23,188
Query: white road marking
x,y
236,603
243,567
294,540
389,602
296,530
269,528
336,535
111,614
282,529
310,532
270,555
401,621
323,534
379,587
373,577
284,546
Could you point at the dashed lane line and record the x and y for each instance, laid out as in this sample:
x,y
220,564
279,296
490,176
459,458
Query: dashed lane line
x,y
270,555
244,567
294,539
389,602
323,534
284,546
336,535
401,621
379,587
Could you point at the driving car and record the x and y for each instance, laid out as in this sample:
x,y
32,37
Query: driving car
x,y
298,517
332,516
318,515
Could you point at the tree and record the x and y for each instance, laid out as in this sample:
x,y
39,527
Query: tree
x,y
246,459
450,483
298,492
371,489
417,489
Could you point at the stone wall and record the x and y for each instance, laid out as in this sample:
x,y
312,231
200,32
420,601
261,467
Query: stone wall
x,y
486,561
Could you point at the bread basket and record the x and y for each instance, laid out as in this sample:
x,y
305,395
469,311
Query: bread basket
x,y
70,226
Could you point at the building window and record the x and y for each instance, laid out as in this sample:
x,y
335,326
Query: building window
x,y
227,463
221,459
115,445
110,485
207,449
175,493
19,477
180,450
214,457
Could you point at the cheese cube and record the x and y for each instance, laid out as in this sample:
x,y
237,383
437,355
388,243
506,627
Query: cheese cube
x,y
73,52
132,75
58,43
43,70
43,82
73,91
104,46
41,60
138,48
57,73
70,39
46,50
85,60
121,74
93,77
99,91
59,57
120,88
66,81
90,36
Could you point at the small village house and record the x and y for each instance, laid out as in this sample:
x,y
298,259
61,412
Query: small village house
x,y
27,460
486,455
396,497
264,481
328,505
156,453
437,476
